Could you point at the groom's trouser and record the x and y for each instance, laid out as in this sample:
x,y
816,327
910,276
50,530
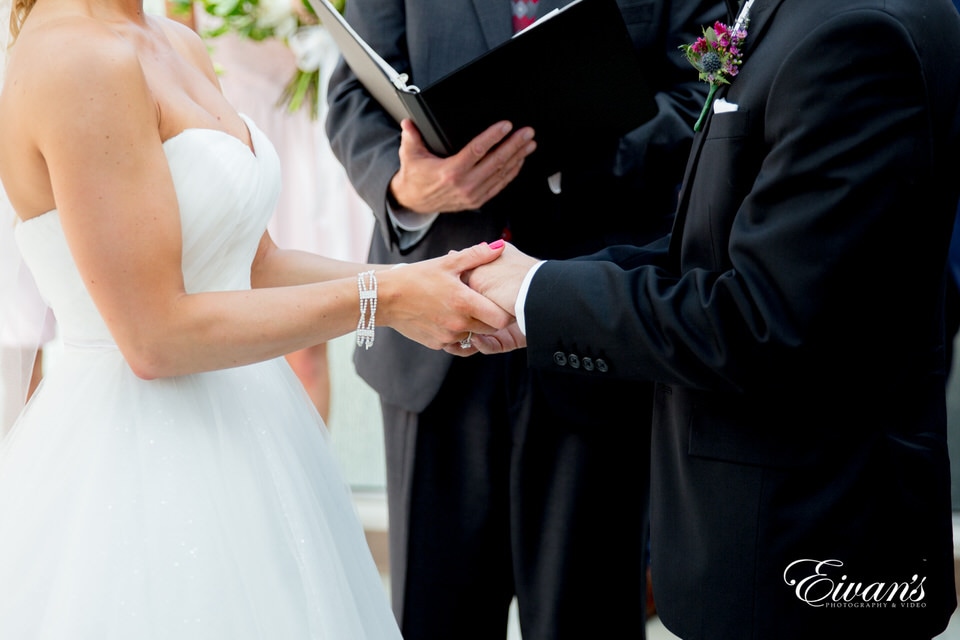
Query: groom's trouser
x,y
517,482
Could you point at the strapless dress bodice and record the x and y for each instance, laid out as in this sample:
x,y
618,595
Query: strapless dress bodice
x,y
226,193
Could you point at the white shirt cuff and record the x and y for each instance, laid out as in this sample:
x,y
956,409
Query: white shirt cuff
x,y
409,225
522,297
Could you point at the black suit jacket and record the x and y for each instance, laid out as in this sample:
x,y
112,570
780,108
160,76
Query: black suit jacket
x,y
794,323
430,38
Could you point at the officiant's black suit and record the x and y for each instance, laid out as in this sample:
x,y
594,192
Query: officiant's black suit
x,y
794,323
501,479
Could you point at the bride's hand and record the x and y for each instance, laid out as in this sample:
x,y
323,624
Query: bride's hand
x,y
428,301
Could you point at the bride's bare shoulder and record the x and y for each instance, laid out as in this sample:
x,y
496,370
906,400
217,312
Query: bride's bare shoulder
x,y
64,54
73,79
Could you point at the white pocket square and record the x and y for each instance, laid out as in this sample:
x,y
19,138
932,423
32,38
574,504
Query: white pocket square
x,y
722,106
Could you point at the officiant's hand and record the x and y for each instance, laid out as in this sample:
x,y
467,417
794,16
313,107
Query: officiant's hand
x,y
429,184
430,303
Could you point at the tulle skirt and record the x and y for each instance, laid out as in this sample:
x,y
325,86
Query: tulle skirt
x,y
207,506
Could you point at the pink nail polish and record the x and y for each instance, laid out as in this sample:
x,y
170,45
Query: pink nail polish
x,y
496,244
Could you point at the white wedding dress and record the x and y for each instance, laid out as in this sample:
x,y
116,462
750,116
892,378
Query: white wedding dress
x,y
201,507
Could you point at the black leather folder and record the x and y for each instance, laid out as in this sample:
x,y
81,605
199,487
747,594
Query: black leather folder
x,y
589,91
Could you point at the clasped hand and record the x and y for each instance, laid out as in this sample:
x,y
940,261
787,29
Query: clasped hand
x,y
498,281
465,296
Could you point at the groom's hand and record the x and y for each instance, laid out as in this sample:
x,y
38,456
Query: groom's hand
x,y
506,339
500,280
430,303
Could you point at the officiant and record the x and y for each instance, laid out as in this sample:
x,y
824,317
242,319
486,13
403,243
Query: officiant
x,y
503,481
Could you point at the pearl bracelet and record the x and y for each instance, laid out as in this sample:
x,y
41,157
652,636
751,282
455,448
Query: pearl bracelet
x,y
367,285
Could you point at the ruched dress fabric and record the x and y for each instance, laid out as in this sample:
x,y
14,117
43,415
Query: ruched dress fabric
x,y
208,506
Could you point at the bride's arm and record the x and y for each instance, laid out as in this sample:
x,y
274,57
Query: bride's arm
x,y
275,267
119,212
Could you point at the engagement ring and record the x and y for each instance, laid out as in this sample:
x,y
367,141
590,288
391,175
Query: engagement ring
x,y
465,343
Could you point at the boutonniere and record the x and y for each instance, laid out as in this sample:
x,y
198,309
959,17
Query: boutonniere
x,y
716,55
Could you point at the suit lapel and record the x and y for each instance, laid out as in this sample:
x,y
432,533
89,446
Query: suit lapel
x,y
546,6
760,15
732,8
495,20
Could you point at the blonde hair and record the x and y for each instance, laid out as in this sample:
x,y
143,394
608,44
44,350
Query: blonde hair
x,y
18,13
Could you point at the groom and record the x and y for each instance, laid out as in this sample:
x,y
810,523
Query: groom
x,y
793,322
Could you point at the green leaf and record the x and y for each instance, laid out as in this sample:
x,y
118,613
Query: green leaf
x,y
222,7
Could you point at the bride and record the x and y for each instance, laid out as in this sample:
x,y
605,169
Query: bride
x,y
170,479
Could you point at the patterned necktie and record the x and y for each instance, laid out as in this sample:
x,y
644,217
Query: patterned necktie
x,y
524,13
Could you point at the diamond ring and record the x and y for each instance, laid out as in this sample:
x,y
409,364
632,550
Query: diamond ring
x,y
465,343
